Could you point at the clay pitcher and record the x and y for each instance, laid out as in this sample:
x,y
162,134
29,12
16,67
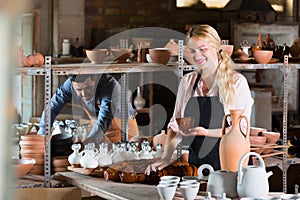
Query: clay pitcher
x,y
235,143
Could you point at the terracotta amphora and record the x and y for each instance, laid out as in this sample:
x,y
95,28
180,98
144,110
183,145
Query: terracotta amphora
x,y
235,143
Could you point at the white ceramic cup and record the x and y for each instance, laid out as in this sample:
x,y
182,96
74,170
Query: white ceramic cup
x,y
189,191
192,178
170,178
166,191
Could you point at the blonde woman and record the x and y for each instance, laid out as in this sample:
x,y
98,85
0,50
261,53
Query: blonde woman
x,y
207,94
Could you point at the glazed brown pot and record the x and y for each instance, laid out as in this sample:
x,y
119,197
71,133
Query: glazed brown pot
x,y
160,55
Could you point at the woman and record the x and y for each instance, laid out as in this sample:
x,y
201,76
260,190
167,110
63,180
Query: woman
x,y
207,94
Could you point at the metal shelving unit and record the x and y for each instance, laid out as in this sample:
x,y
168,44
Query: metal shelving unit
x,y
86,68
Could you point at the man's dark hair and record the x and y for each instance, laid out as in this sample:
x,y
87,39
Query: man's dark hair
x,y
81,78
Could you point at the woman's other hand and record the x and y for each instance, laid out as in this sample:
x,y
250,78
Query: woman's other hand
x,y
196,131
158,165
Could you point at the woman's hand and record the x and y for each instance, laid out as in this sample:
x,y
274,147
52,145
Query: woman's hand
x,y
196,131
158,165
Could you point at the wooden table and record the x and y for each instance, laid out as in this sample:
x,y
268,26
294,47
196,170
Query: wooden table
x,y
109,189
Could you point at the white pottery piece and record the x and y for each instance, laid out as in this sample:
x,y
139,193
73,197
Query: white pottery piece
x,y
222,181
88,160
74,158
253,180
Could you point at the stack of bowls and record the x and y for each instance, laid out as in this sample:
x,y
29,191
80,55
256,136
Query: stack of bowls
x,y
61,144
189,188
167,187
33,147
60,164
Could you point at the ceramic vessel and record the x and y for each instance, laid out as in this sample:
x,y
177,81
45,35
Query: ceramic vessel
x,y
96,56
253,180
262,56
189,191
22,166
139,102
230,154
222,181
255,131
88,159
185,123
121,55
272,137
160,55
74,158
166,192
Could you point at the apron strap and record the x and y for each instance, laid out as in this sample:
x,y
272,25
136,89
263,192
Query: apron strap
x,y
196,83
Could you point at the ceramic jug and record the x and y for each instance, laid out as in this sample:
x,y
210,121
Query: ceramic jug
x,y
74,158
104,157
88,160
253,180
235,143
222,181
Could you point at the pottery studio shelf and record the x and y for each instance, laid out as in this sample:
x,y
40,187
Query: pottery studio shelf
x,y
126,68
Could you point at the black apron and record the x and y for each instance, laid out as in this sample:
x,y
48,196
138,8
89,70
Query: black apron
x,y
208,113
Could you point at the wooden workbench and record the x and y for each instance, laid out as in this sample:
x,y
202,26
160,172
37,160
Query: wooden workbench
x,y
108,189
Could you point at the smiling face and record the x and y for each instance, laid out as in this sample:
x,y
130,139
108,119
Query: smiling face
x,y
85,90
204,55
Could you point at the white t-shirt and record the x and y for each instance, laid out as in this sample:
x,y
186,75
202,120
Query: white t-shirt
x,y
241,100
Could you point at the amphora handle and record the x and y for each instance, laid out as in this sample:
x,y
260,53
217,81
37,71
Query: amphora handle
x,y
240,119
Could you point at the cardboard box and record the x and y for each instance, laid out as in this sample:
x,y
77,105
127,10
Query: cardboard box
x,y
67,193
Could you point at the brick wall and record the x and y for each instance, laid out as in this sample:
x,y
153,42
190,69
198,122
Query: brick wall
x,y
104,18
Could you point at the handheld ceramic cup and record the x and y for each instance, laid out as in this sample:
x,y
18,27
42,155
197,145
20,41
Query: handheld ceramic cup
x,y
170,178
165,191
189,191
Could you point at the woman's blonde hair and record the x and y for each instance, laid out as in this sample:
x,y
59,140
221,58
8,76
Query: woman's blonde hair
x,y
225,81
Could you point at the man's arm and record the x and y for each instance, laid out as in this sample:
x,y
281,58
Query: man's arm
x,y
61,97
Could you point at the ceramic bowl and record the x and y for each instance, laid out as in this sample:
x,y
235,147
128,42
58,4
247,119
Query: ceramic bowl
x,y
22,166
166,192
189,192
121,55
257,140
33,137
228,49
170,178
191,178
272,137
185,123
60,161
96,56
160,55
262,56
255,131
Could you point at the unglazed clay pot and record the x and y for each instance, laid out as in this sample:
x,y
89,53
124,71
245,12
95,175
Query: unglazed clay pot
x,y
222,181
235,143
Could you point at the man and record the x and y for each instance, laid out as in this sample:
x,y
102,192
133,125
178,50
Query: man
x,y
100,100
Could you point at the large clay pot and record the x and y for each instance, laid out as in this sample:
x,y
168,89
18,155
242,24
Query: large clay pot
x,y
235,143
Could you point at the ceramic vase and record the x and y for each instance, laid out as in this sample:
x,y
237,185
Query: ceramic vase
x,y
235,143
74,158
139,102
